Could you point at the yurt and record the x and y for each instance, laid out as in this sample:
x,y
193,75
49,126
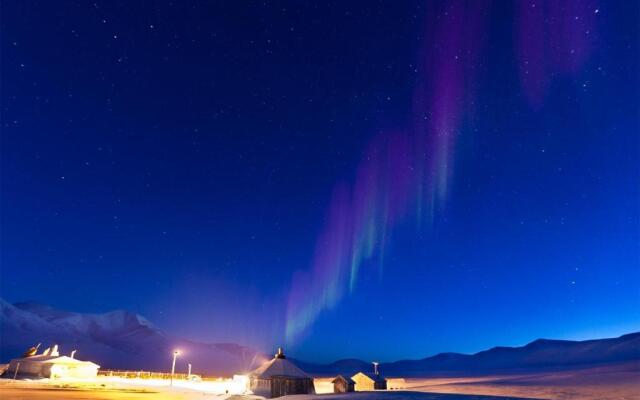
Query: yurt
x,y
280,377
52,365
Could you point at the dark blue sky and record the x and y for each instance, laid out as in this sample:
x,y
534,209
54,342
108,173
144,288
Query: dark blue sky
x,y
178,159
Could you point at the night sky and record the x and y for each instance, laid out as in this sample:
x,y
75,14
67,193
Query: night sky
x,y
381,180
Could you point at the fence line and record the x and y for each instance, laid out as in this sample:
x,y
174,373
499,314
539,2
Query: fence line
x,y
147,375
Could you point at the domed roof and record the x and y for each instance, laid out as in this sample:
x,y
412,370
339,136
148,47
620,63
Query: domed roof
x,y
279,365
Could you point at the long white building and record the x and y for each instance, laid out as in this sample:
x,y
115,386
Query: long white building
x,y
51,365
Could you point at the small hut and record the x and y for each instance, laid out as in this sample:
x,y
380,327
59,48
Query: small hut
x,y
342,384
280,377
369,381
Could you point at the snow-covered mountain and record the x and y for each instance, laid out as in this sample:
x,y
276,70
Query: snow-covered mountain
x,y
541,354
123,340
116,339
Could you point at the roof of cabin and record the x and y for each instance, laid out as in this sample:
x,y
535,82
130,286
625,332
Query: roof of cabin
x,y
53,360
373,377
343,378
278,367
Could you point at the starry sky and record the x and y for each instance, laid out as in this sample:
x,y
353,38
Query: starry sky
x,y
381,180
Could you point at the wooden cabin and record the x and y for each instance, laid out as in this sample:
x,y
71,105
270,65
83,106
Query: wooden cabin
x,y
342,384
364,382
280,377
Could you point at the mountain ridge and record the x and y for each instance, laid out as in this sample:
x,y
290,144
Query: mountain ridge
x,y
535,355
116,339
121,339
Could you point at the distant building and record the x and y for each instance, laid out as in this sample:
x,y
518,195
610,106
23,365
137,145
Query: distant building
x,y
369,381
342,384
280,377
51,364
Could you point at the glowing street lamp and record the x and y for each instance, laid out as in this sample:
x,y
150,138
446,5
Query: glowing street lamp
x,y
176,353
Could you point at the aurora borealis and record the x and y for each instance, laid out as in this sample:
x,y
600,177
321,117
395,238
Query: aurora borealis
x,y
381,180
401,172
407,173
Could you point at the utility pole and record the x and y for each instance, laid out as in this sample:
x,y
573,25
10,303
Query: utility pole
x,y
173,365
16,373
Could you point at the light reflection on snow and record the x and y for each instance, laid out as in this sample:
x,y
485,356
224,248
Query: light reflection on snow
x,y
237,385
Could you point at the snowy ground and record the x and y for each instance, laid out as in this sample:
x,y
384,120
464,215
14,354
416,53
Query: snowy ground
x,y
12,390
399,395
117,388
620,382
101,388
616,382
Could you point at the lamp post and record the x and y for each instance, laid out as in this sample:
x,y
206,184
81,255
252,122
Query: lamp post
x,y
189,374
375,367
176,353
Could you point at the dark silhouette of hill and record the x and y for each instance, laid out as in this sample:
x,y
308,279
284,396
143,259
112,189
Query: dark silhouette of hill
x,y
124,340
